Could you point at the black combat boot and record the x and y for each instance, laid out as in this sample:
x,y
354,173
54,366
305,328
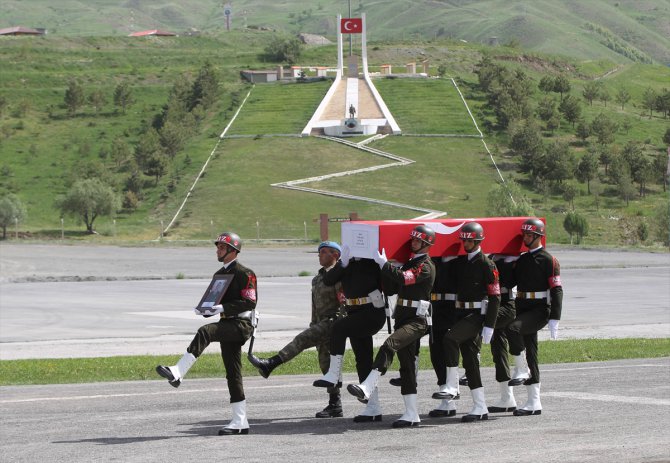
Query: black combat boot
x,y
265,366
334,408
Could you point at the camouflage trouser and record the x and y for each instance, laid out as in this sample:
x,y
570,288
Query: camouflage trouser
x,y
317,335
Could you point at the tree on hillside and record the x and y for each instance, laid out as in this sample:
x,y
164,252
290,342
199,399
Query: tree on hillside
x,y
559,162
507,200
591,91
89,199
121,152
660,167
604,129
123,96
172,138
74,96
546,108
661,223
625,186
604,96
639,165
561,85
149,155
205,87
663,103
4,104
546,84
12,211
666,136
97,99
583,131
649,100
526,142
571,109
622,96
569,193
596,191
286,49
575,224
587,169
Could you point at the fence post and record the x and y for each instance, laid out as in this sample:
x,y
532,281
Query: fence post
x,y
323,222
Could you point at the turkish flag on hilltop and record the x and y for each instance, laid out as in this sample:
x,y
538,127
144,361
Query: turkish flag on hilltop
x,y
351,25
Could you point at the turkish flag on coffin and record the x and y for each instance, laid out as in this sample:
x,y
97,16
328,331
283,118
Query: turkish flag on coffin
x,y
502,235
351,25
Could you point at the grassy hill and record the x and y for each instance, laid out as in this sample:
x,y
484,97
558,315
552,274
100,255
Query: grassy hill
x,y
594,29
42,150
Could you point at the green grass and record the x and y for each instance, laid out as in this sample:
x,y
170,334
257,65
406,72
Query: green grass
x,y
279,108
44,154
426,107
87,370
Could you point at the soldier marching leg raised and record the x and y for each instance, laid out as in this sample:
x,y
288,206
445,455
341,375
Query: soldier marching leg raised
x,y
232,330
478,289
539,301
326,309
413,282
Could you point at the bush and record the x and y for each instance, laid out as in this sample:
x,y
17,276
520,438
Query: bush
x,y
130,201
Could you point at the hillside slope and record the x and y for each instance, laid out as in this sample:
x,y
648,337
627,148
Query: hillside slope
x,y
594,29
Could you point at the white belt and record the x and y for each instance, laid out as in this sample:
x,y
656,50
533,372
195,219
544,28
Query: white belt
x,y
407,303
531,294
468,305
358,301
442,297
246,315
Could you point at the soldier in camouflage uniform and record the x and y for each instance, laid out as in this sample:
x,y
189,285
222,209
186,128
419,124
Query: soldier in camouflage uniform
x,y
364,303
326,308
413,281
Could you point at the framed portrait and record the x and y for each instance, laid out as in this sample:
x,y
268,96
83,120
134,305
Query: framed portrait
x,y
215,291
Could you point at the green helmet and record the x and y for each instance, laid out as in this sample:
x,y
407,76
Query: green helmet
x,y
423,233
533,226
472,231
231,239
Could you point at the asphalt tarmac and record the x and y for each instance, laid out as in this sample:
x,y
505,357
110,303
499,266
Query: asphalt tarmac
x,y
65,301
592,412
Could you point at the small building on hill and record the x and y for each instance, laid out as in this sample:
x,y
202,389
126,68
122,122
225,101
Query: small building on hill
x,y
152,32
260,77
20,30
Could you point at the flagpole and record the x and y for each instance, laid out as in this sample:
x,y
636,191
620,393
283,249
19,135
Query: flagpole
x,y
350,44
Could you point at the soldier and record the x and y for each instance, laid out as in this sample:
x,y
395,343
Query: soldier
x,y
499,343
232,330
364,305
478,291
443,300
414,281
539,300
326,307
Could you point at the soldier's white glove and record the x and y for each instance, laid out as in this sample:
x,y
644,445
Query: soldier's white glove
x,y
487,334
345,256
553,330
380,257
218,308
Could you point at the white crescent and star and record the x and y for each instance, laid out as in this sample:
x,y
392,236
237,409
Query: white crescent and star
x,y
347,27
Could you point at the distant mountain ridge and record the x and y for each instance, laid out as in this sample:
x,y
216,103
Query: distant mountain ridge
x,y
622,31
